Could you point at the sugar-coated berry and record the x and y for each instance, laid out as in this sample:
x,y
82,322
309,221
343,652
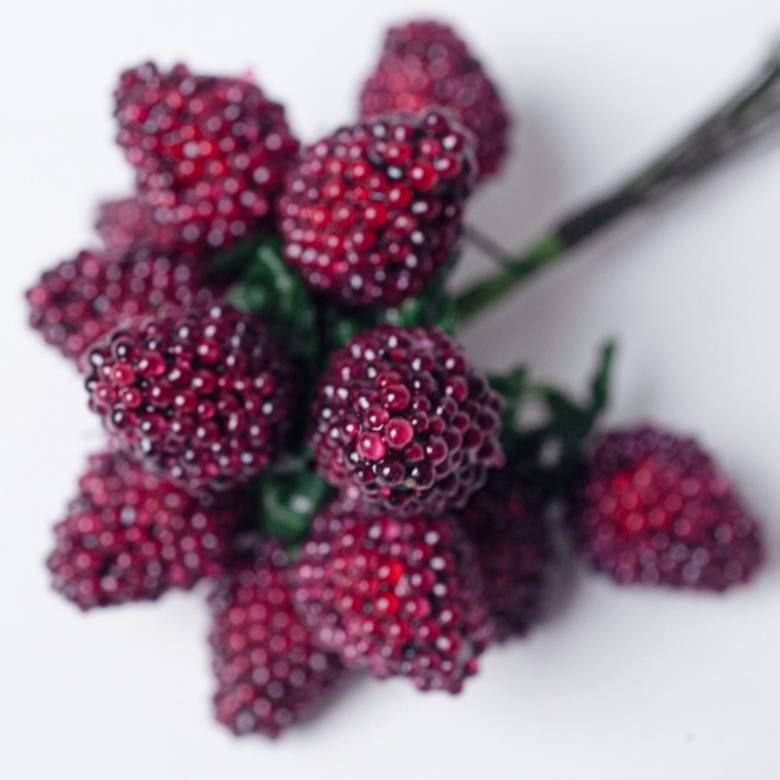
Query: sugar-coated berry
x,y
394,597
653,508
404,419
209,152
80,300
129,536
372,211
505,521
203,397
269,673
426,64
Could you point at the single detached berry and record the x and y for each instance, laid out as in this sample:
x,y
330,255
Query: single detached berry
x,y
82,299
269,673
426,64
403,418
202,397
372,211
127,222
654,508
395,597
129,536
505,521
210,153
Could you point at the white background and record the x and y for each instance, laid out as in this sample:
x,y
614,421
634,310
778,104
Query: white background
x,y
620,683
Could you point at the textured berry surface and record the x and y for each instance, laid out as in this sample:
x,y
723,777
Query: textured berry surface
x,y
654,508
395,597
269,673
505,522
202,397
129,536
372,211
426,64
126,222
210,153
82,299
402,417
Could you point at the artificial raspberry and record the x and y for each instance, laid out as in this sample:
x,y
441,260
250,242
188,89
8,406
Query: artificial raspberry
x,y
127,222
425,64
269,673
372,211
203,397
654,508
129,536
82,299
395,597
402,417
505,522
209,152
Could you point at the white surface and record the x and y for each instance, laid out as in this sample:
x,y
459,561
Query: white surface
x,y
623,683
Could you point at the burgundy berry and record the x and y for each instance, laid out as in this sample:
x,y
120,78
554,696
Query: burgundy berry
x,y
653,508
80,300
425,64
404,419
371,212
209,152
202,397
505,521
269,673
129,536
395,597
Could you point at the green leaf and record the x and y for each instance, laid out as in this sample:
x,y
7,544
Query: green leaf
x,y
290,502
599,393
268,286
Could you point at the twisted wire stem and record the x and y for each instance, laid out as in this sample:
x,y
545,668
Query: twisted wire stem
x,y
750,114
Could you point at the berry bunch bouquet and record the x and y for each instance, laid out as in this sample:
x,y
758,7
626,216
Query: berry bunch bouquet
x,y
267,334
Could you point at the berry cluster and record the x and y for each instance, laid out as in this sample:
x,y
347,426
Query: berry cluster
x,y
404,419
373,211
269,670
426,63
129,536
290,417
653,507
394,596
203,397
209,153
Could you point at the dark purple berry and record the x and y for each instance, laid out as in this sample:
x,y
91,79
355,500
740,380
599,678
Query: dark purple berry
x,y
371,212
203,397
395,597
129,536
402,418
652,507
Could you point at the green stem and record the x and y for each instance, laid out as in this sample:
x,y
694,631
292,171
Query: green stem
x,y
748,115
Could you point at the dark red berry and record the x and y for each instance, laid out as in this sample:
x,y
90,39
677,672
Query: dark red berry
x,y
127,222
129,536
372,211
269,673
395,597
654,508
402,417
210,153
82,299
426,64
505,521
203,397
